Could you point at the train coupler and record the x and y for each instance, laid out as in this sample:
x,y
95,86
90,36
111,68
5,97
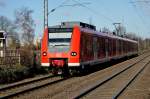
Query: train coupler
x,y
58,63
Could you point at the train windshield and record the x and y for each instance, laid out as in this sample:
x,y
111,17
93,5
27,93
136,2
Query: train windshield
x,y
59,39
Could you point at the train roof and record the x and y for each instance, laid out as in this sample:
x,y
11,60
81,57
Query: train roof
x,y
73,23
89,29
107,35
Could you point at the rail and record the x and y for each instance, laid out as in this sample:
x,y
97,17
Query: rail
x,y
128,83
24,90
101,82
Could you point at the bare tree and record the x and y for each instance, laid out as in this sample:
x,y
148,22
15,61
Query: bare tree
x,y
25,24
120,30
105,30
9,27
6,24
144,44
132,36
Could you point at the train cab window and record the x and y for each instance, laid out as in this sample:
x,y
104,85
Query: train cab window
x,y
59,39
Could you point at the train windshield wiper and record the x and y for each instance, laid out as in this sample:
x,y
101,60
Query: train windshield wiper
x,y
60,45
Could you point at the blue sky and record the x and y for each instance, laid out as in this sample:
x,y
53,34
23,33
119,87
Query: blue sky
x,y
101,13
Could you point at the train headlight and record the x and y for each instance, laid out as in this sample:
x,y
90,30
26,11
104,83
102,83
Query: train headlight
x,y
44,53
73,54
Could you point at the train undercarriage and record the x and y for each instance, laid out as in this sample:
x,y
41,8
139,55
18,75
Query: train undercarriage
x,y
60,66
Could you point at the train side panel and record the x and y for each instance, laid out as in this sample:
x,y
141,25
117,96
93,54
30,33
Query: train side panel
x,y
74,60
106,48
44,49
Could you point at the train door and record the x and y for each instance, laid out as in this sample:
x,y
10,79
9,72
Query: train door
x,y
117,47
121,47
106,47
95,49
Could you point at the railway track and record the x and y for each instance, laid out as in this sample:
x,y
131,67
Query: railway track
x,y
104,88
23,87
71,88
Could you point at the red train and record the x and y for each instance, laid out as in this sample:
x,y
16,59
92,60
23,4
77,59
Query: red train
x,y
75,45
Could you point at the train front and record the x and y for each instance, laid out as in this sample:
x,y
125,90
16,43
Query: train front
x,y
60,48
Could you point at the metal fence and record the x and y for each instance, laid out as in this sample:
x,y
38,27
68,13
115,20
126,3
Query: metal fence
x,y
10,57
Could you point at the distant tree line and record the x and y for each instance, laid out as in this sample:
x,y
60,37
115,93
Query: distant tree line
x,y
144,43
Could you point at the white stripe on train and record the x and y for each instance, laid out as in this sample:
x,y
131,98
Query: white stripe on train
x,y
45,64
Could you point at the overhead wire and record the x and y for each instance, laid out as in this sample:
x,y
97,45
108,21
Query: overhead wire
x,y
145,6
93,11
64,2
139,15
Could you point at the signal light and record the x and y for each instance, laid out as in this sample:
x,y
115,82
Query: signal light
x,y
73,54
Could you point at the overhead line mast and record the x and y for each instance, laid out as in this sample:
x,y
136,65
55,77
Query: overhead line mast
x,y
45,14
